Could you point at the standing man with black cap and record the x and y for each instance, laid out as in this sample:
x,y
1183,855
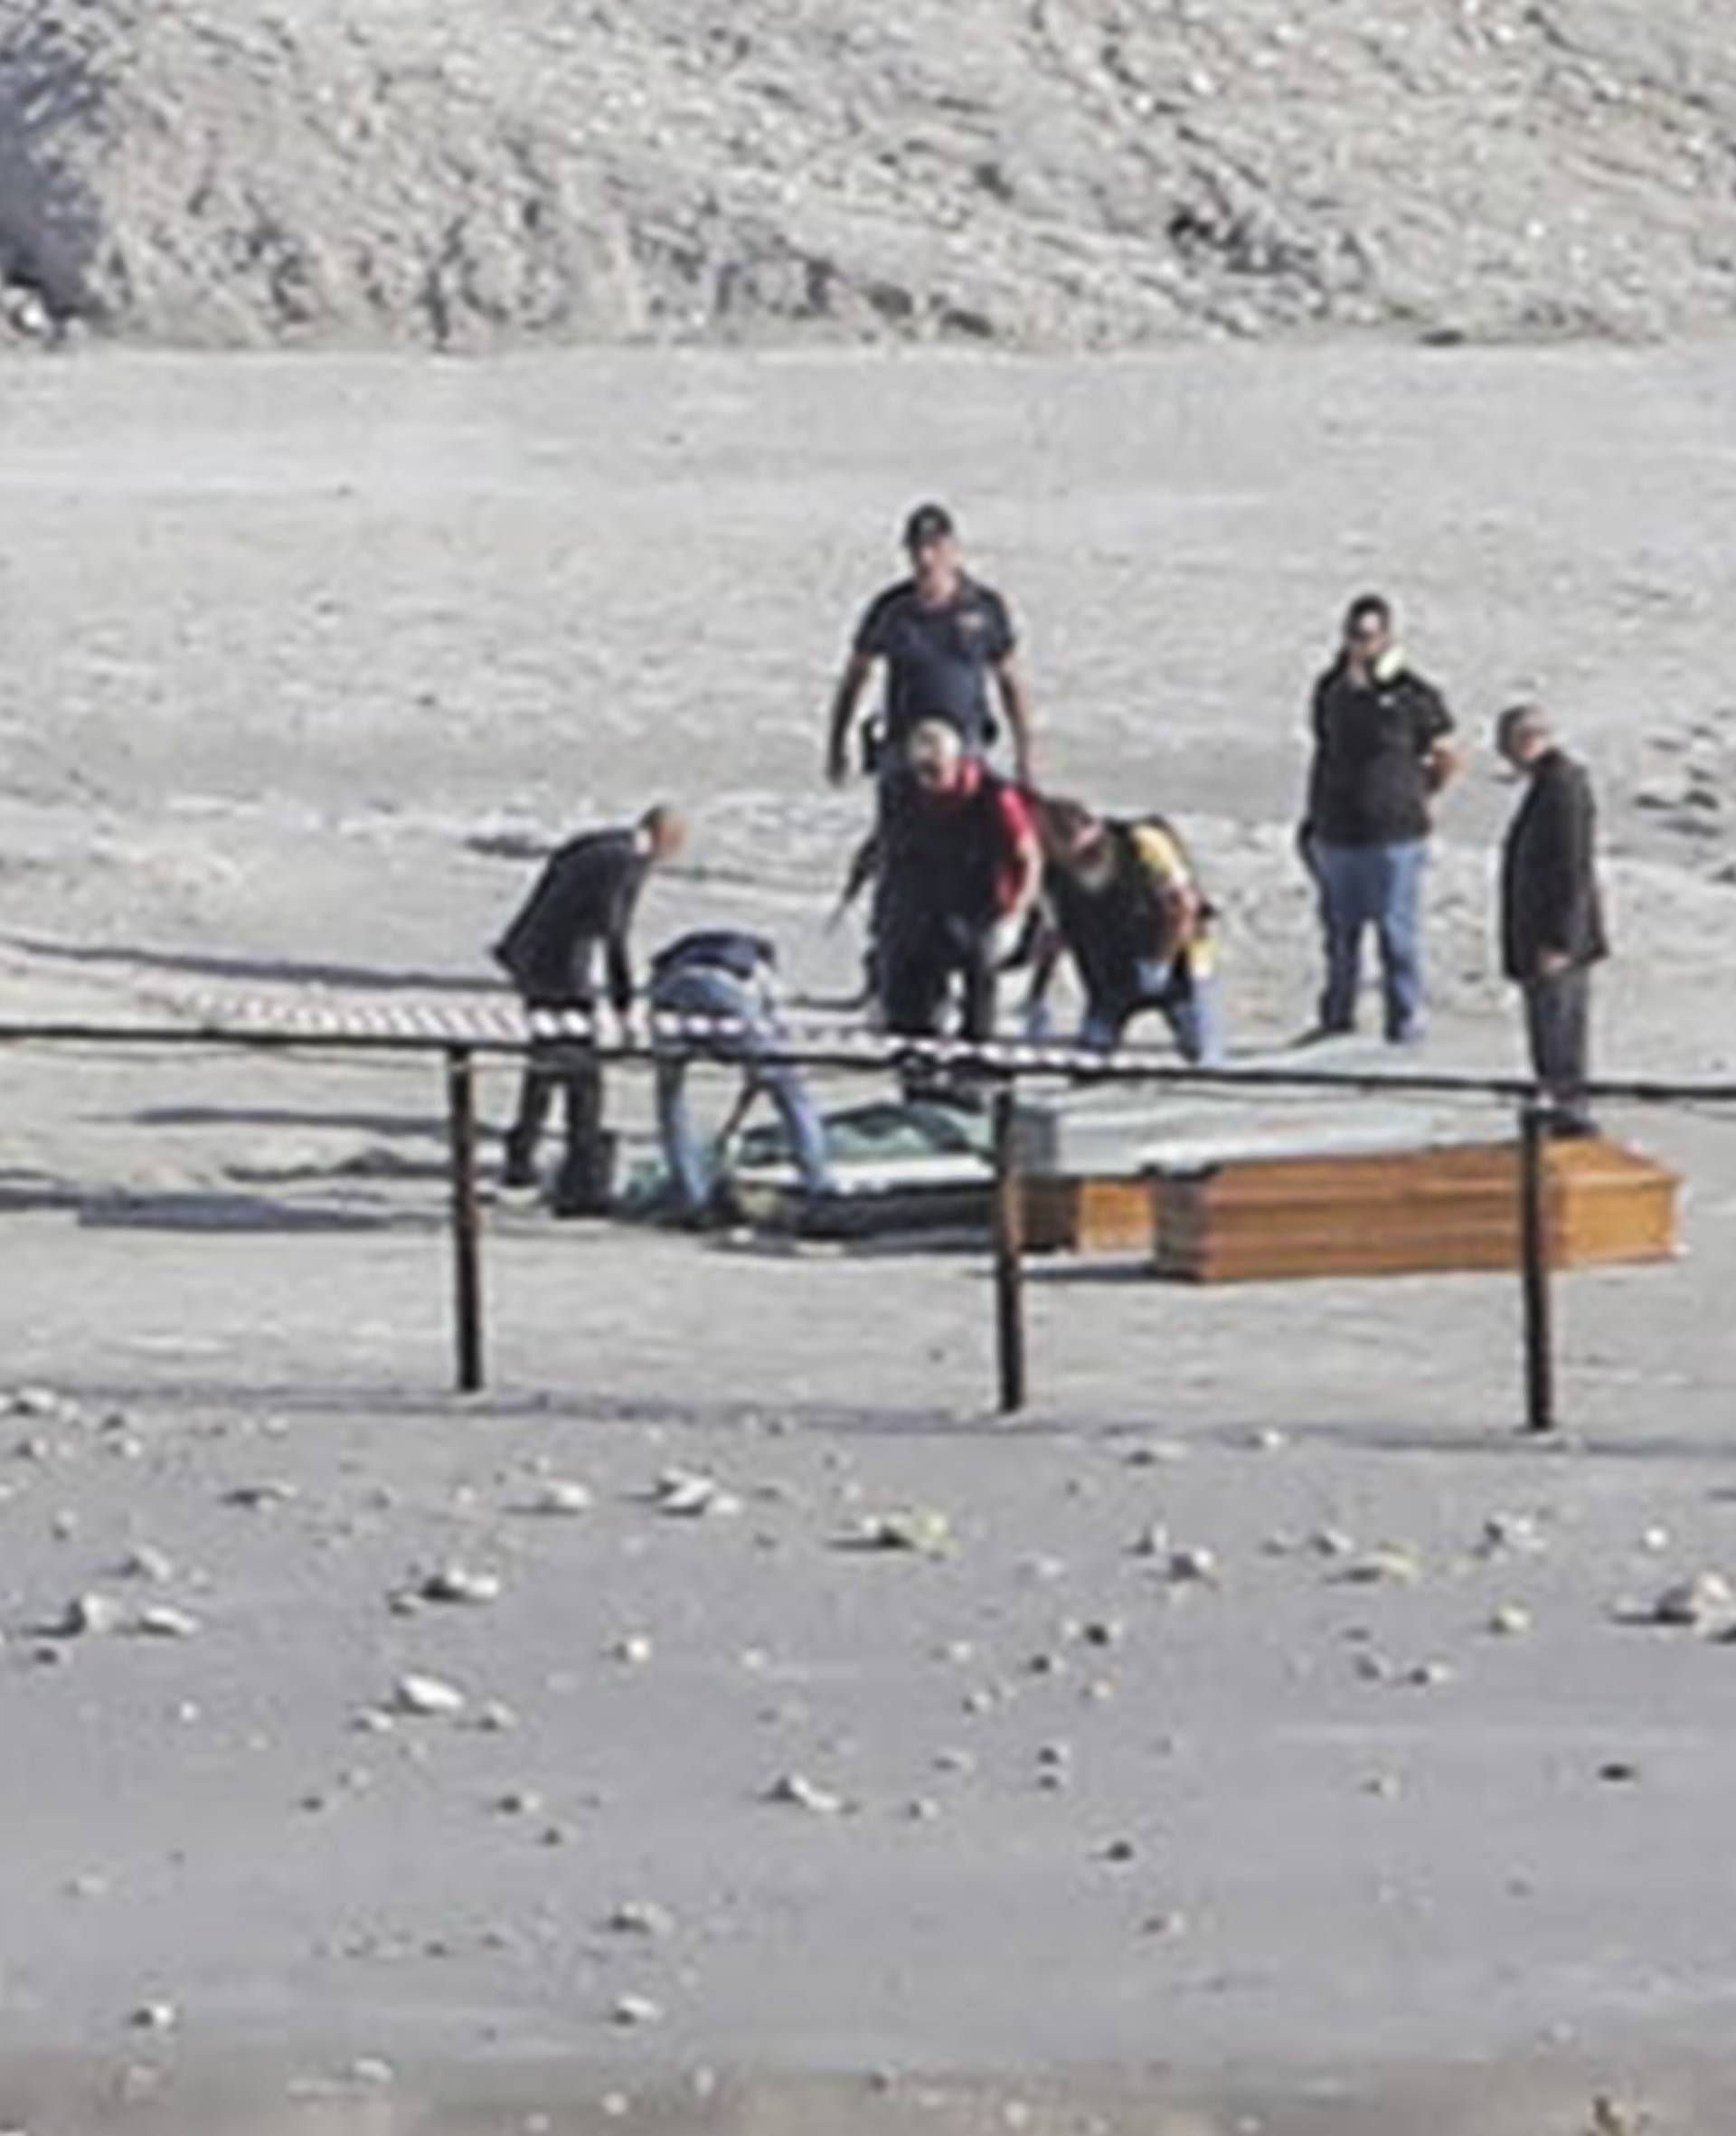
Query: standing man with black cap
x,y
943,638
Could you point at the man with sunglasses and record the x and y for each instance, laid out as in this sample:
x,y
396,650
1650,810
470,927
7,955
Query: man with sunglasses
x,y
1382,753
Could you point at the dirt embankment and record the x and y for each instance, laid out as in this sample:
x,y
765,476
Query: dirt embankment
x,y
1033,173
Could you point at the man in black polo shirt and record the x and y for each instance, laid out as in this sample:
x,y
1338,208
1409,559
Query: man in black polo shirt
x,y
943,639
1381,754
582,906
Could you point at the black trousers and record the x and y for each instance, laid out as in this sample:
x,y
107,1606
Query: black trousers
x,y
564,1067
1557,1025
916,974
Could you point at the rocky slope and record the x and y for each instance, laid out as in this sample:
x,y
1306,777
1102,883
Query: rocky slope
x,y
1035,172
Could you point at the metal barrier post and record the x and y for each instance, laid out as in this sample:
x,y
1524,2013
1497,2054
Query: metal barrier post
x,y
1534,1256
1009,1255
466,1227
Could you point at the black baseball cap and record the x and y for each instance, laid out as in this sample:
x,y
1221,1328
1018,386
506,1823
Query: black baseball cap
x,y
928,522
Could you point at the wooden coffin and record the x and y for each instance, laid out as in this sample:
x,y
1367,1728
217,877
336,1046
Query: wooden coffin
x,y
1406,1212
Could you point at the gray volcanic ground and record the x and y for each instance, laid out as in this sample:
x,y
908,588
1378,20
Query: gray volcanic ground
x,y
1055,173
1392,1822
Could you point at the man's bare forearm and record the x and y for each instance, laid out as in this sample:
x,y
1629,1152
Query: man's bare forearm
x,y
1015,699
845,702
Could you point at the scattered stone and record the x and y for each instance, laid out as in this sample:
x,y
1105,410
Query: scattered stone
x,y
1170,1927
1657,1540
1104,1631
273,1491
562,1498
633,1651
801,1793
1510,1621
1386,1787
519,1802
147,1564
1695,1603
1269,1441
155,2016
641,1917
1618,1772
162,1621
496,1718
1393,1565
89,1616
454,1583
1043,1570
923,1810
1152,1541
35,1402
372,2070
1332,1542
1120,1852
638,2009
1430,1676
1196,1566
427,1697
920,1529
954,1761
1521,1533
688,1494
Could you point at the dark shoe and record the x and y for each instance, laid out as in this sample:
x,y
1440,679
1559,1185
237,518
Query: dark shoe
x,y
1572,1127
519,1166
586,1184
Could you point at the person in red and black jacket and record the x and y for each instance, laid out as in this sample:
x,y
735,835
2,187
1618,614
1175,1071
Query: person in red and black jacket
x,y
963,866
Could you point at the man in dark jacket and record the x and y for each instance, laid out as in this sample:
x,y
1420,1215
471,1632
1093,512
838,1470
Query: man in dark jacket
x,y
1551,918
1381,754
581,908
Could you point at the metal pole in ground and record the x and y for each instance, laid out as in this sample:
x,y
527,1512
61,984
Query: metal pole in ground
x,y
1009,1255
467,1226
1534,1261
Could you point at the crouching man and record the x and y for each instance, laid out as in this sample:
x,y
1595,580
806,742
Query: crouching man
x,y
579,911
728,976
962,868
1552,917
1124,901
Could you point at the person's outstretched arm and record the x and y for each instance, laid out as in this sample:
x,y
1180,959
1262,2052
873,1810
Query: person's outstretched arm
x,y
846,700
1016,702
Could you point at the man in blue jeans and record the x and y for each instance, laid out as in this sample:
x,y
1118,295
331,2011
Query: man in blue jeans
x,y
725,973
1381,754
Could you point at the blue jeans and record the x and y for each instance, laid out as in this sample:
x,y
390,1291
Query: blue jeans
x,y
1377,886
1187,1002
702,991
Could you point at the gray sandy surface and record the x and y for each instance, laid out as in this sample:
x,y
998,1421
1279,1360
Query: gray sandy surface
x,y
291,649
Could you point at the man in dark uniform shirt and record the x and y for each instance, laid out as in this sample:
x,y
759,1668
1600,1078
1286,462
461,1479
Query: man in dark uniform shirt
x,y
943,638
1381,754
582,906
1551,918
